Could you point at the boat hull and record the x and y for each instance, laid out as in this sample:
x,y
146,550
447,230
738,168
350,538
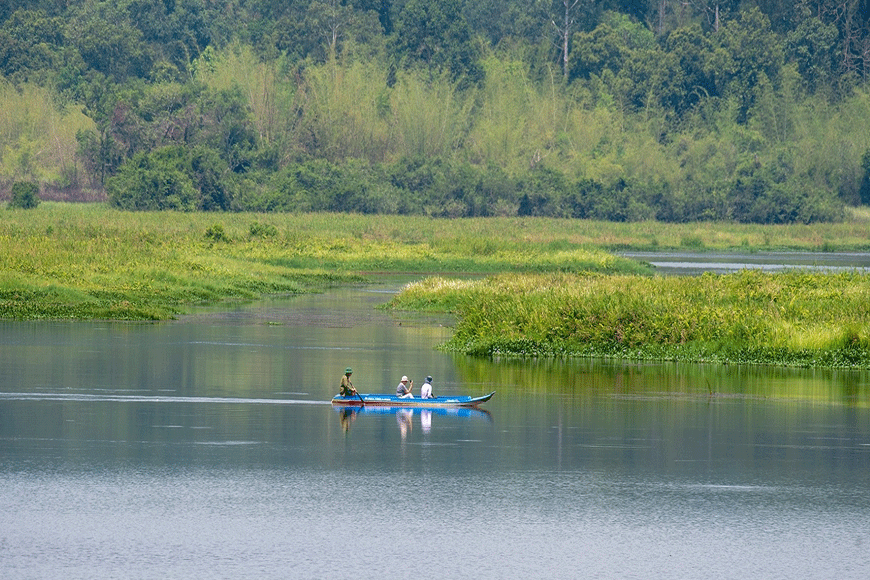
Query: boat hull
x,y
376,400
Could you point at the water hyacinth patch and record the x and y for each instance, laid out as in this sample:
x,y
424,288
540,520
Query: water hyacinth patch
x,y
794,318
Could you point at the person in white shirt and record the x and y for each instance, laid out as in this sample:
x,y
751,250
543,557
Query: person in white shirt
x,y
426,389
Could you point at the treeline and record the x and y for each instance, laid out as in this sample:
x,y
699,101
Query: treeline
x,y
754,111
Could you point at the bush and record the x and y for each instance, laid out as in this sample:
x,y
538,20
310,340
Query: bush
x,y
259,230
216,233
172,177
760,195
24,195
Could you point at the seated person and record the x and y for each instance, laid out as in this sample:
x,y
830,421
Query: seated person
x,y
403,390
346,388
426,389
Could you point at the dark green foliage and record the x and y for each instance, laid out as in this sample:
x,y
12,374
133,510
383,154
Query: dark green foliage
x,y
611,45
543,193
443,189
24,195
693,67
621,202
686,67
213,128
176,30
320,29
547,193
813,47
226,127
759,196
207,171
436,35
171,177
354,186
752,54
30,44
452,189
104,34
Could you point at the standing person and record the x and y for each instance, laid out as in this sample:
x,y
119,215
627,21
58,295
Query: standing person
x,y
426,389
346,388
403,390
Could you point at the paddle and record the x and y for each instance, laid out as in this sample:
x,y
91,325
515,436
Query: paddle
x,y
357,394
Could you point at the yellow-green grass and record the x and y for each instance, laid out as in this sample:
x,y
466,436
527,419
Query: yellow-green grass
x,y
853,234
790,318
86,261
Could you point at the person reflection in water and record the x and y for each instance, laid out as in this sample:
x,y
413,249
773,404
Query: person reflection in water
x,y
346,388
403,389
403,418
347,417
426,389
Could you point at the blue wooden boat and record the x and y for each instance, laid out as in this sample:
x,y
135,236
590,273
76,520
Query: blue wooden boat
x,y
375,400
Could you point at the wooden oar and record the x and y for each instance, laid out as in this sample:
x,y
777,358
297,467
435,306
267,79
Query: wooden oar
x,y
357,393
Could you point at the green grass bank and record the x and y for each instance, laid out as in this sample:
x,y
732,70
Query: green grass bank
x,y
791,318
87,261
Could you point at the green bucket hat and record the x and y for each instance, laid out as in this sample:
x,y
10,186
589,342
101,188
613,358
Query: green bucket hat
x,y
348,370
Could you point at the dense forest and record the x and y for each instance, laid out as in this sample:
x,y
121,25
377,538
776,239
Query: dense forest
x,y
675,110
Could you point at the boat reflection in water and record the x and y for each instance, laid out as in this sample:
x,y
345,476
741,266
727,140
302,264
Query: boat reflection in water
x,y
405,415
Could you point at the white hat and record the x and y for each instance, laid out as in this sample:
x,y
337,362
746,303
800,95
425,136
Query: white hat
x,y
404,379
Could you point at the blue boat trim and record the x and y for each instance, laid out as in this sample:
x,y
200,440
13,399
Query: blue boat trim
x,y
394,401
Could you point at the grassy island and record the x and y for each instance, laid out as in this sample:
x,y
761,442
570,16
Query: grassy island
x,y
790,318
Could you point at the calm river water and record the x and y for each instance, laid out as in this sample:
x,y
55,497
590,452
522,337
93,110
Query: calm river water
x,y
207,448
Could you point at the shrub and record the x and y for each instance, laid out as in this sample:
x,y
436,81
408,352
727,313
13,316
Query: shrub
x,y
259,230
216,233
172,177
24,195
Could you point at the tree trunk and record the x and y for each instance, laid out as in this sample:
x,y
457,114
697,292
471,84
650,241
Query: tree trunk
x,y
565,31
660,27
